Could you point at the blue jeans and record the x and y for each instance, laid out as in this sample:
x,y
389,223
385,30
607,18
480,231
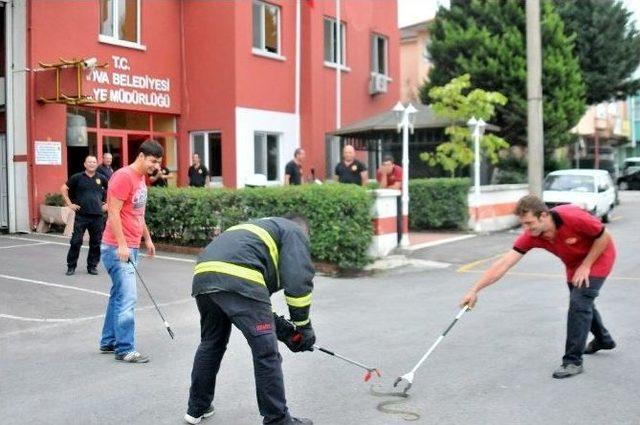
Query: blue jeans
x,y
118,330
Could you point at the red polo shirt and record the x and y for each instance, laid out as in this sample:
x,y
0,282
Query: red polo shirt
x,y
393,177
576,230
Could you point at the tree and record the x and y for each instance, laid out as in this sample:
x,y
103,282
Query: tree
x,y
486,39
607,46
452,102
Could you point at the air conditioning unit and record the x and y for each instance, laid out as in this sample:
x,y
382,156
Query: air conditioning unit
x,y
378,83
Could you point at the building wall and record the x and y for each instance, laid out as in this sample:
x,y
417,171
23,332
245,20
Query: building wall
x,y
414,67
75,35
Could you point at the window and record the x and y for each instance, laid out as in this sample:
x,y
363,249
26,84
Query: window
x,y
120,19
266,27
379,54
208,146
266,151
330,42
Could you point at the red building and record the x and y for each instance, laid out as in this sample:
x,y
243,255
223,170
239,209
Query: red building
x,y
243,83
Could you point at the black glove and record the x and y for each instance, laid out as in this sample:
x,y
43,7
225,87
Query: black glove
x,y
304,338
284,328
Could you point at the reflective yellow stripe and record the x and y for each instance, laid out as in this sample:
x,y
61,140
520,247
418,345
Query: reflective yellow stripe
x,y
302,323
303,301
230,269
267,239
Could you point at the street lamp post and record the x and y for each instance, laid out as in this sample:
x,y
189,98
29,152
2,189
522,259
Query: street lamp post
x,y
405,117
477,130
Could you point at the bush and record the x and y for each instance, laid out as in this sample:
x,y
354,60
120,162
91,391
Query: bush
x,y
439,203
54,199
339,216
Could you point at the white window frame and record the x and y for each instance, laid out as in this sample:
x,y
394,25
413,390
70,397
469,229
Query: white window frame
x,y
343,50
262,50
113,39
205,159
374,54
278,160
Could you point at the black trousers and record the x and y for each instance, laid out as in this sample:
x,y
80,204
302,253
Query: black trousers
x,y
582,318
218,311
95,225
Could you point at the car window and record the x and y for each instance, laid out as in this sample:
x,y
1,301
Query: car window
x,y
569,183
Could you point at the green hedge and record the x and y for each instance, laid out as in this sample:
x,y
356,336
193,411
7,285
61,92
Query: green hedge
x,y
339,216
439,203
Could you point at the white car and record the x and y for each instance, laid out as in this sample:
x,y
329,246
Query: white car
x,y
591,190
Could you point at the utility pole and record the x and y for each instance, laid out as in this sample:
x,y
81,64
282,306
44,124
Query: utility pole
x,y
535,135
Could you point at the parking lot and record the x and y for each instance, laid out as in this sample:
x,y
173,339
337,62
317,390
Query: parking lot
x,y
493,368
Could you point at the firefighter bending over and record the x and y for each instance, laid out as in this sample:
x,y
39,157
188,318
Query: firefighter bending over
x,y
234,278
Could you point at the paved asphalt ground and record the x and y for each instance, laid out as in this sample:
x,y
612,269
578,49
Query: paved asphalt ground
x,y
493,368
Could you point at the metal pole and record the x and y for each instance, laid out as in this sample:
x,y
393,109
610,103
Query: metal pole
x,y
404,242
476,175
534,99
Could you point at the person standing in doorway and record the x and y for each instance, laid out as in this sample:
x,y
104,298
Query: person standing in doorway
x,y
293,169
587,250
127,197
105,168
350,170
86,194
198,173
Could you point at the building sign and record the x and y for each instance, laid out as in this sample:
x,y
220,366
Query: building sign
x,y
48,153
119,84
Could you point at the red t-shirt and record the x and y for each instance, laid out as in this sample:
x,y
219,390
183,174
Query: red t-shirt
x,y
393,177
576,230
128,186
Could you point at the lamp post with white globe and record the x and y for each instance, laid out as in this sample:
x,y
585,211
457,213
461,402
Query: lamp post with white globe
x,y
405,117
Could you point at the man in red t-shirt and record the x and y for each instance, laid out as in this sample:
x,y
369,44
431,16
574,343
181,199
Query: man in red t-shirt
x,y
389,175
587,250
126,200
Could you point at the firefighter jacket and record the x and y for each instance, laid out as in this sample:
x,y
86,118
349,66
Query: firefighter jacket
x,y
256,259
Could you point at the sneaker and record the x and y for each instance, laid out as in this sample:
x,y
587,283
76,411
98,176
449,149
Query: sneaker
x,y
196,419
107,349
132,357
70,271
92,270
567,371
300,421
596,345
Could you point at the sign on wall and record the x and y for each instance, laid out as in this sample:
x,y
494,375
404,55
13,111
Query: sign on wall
x,y
119,84
48,153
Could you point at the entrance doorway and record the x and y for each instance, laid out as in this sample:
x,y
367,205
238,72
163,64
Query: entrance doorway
x,y
133,144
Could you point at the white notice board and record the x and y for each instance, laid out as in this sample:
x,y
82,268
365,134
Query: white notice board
x,y
48,153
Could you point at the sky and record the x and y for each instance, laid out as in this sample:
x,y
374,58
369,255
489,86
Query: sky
x,y
414,11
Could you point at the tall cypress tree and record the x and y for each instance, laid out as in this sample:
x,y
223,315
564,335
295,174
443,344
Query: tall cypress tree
x,y
487,39
607,45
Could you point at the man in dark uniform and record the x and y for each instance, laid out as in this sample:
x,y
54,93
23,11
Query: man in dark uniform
x,y
198,173
105,168
234,278
293,169
86,194
350,170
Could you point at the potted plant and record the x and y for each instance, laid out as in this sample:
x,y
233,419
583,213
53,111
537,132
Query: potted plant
x,y
53,211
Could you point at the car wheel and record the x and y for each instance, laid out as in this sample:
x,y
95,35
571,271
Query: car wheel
x,y
605,217
623,186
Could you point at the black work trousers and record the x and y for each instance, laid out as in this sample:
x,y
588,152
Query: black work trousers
x,y
582,318
95,225
218,311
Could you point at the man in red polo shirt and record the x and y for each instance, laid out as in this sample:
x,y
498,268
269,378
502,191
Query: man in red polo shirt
x,y
389,175
587,250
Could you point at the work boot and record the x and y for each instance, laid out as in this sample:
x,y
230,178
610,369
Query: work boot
x,y
70,271
196,419
300,421
92,270
567,371
132,357
596,345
